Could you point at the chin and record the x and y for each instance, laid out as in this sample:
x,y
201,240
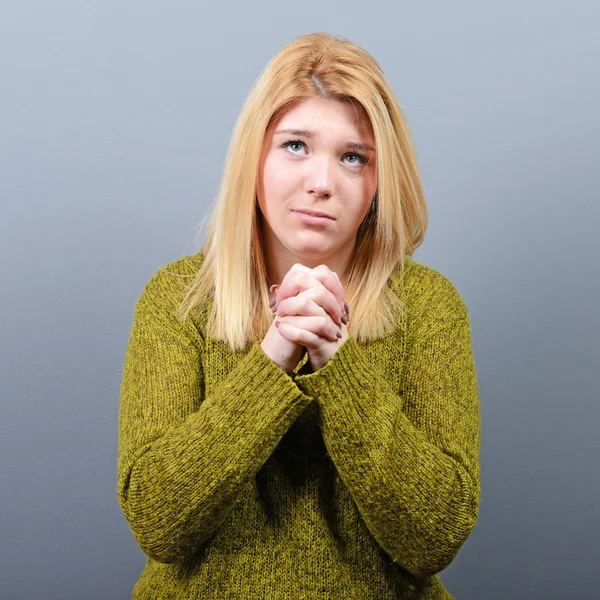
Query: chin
x,y
310,253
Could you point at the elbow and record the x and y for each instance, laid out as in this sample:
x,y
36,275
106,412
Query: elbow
x,y
440,548
431,561
161,543
161,538
156,541
162,549
443,537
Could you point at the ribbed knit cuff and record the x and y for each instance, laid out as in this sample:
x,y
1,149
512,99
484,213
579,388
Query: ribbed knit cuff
x,y
346,373
258,391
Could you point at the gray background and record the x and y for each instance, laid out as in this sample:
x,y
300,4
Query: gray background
x,y
114,122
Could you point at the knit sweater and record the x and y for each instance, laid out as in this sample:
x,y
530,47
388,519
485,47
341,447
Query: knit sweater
x,y
241,481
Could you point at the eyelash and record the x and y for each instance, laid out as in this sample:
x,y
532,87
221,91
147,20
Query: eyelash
x,y
362,159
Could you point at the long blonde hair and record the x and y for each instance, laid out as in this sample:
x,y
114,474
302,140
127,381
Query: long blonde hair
x,y
233,271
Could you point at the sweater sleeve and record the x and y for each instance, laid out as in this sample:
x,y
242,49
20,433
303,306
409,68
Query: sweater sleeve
x,y
409,457
184,457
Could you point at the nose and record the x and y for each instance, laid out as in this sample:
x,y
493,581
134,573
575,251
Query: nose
x,y
320,177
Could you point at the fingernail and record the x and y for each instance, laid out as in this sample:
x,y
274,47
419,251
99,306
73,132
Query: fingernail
x,y
347,308
339,334
273,287
272,303
276,323
344,319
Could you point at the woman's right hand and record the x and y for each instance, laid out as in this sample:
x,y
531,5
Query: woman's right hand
x,y
282,352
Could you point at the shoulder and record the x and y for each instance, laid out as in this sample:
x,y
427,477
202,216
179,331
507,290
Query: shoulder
x,y
429,294
167,286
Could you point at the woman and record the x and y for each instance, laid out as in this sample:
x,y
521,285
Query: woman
x,y
273,442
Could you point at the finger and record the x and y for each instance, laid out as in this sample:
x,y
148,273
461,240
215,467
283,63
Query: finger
x,y
296,280
301,336
317,301
321,326
302,304
331,281
294,270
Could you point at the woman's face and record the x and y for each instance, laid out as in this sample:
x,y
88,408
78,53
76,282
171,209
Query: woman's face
x,y
324,161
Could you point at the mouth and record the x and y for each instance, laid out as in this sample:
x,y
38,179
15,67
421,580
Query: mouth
x,y
314,213
314,218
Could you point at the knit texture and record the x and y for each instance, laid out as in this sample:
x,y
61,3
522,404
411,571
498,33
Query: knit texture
x,y
358,481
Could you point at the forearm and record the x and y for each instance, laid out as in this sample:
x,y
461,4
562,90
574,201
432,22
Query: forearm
x,y
417,487
420,503
176,489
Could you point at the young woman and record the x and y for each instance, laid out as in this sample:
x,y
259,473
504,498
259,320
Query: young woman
x,y
299,409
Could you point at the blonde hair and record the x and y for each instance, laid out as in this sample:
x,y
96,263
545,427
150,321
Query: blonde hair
x,y
233,271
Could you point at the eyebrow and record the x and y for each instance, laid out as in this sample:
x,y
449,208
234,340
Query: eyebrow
x,y
309,134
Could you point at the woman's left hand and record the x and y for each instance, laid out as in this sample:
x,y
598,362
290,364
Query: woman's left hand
x,y
306,320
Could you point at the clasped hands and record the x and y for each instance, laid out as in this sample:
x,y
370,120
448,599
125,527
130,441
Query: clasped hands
x,y
311,314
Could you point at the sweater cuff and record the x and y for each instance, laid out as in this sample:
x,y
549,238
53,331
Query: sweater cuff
x,y
257,399
348,370
268,381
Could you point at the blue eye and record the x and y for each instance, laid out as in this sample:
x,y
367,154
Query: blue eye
x,y
360,162
292,143
361,159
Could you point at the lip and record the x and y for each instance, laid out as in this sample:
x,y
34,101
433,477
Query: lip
x,y
314,218
314,213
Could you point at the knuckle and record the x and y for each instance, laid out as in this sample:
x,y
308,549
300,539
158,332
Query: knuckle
x,y
315,293
299,267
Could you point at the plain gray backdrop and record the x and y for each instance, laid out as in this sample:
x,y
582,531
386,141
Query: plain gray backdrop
x,y
114,122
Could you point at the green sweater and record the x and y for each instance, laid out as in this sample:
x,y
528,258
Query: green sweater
x,y
359,481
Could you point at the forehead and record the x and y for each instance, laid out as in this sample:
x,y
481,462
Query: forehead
x,y
321,112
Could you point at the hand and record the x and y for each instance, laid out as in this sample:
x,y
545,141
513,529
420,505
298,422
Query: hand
x,y
284,353
312,311
321,285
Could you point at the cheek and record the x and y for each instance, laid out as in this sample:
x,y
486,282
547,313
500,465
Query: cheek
x,y
369,191
360,207
276,177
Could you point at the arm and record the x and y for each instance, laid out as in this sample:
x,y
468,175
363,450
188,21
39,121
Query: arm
x,y
183,457
409,458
